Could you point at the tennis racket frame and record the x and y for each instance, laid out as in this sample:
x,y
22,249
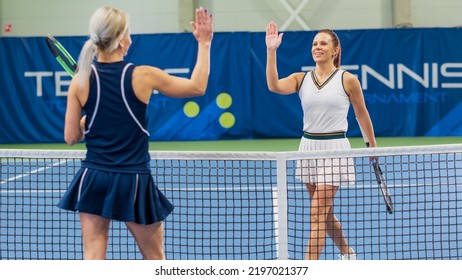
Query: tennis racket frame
x,y
63,57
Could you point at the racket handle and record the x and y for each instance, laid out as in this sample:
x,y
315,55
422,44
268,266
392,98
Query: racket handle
x,y
373,161
389,209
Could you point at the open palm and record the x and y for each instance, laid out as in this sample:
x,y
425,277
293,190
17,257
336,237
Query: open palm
x,y
202,27
273,38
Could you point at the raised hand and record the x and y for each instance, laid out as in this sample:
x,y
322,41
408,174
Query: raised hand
x,y
202,27
273,39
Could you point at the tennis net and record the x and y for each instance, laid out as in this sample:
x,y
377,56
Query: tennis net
x,y
247,205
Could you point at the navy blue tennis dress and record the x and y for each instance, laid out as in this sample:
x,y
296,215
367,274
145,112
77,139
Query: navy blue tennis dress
x,y
115,179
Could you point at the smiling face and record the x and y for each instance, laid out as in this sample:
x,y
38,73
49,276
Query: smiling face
x,y
325,48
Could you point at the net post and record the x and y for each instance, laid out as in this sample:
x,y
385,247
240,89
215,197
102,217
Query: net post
x,y
282,234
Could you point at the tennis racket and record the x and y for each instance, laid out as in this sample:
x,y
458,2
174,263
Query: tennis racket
x,y
381,182
62,56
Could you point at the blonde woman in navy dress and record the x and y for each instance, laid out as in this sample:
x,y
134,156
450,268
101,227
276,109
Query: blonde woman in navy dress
x,y
115,180
326,93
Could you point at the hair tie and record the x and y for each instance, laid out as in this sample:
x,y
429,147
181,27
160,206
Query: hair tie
x,y
94,38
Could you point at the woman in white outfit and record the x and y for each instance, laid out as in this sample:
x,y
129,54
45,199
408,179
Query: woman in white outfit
x,y
326,93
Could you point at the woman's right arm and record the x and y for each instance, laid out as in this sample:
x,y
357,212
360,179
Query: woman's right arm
x,y
286,85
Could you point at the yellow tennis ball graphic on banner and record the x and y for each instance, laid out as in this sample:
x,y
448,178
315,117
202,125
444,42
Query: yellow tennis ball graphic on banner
x,y
227,120
224,100
191,109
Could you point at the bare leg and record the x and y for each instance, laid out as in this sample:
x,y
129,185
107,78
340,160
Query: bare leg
x,y
150,239
321,203
95,231
335,232
333,227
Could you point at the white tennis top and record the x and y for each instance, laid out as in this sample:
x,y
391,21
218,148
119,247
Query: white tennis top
x,y
325,106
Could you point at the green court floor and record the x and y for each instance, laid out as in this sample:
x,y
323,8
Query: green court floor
x,y
250,145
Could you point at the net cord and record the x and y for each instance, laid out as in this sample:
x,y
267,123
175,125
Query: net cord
x,y
291,155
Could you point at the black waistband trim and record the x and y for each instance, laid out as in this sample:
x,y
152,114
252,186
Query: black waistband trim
x,y
324,136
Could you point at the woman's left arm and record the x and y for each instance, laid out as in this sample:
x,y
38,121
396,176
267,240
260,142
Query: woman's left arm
x,y
353,88
73,132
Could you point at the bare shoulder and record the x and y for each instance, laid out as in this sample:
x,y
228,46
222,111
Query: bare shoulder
x,y
298,76
351,83
147,75
144,70
144,81
78,92
349,78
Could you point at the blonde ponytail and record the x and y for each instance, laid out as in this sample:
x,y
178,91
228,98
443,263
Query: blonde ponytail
x,y
86,57
107,27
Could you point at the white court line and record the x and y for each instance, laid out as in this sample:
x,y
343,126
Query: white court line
x,y
33,172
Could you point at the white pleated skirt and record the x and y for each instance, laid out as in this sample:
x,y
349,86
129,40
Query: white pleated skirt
x,y
326,171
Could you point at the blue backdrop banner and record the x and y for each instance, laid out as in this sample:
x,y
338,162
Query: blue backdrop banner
x,y
411,79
